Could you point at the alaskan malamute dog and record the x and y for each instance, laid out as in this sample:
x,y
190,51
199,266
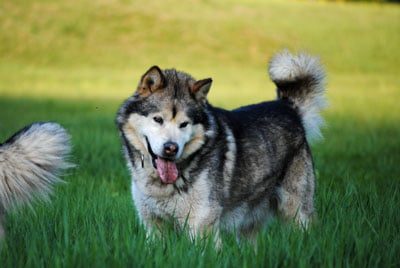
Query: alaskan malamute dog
x,y
208,168
30,162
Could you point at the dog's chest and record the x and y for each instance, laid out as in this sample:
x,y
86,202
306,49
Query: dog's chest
x,y
164,201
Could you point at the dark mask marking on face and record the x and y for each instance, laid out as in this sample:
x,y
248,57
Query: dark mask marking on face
x,y
176,85
173,111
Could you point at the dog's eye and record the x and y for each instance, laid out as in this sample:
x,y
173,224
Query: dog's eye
x,y
184,124
158,119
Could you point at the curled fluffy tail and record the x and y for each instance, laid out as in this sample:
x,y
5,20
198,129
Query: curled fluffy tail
x,y
30,163
300,79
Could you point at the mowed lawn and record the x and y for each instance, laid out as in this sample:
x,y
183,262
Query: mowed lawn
x,y
75,63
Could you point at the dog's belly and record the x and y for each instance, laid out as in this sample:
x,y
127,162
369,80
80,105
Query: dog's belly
x,y
247,217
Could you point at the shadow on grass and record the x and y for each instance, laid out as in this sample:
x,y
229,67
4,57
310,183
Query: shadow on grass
x,y
91,220
367,149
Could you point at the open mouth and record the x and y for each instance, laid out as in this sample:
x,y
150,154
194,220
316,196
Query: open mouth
x,y
166,169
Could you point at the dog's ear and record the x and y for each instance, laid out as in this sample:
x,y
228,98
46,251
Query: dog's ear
x,y
150,82
201,88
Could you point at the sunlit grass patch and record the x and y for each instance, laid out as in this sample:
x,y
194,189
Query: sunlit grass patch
x,y
75,62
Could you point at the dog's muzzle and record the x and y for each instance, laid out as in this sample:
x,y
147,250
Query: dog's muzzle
x,y
166,169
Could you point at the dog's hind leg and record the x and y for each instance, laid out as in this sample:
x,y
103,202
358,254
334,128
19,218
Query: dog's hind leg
x,y
1,226
296,192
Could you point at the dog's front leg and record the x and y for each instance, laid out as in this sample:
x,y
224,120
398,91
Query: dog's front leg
x,y
153,226
204,228
151,222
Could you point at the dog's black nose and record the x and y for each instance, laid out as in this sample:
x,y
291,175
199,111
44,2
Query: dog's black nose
x,y
170,149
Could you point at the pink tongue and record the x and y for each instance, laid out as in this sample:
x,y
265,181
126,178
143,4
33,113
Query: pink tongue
x,y
166,170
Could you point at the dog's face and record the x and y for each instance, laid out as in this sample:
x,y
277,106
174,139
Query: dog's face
x,y
166,119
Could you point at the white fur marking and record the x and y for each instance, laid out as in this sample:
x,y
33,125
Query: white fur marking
x,y
230,157
30,164
285,67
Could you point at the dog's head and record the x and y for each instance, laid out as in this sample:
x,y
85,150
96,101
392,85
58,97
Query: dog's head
x,y
166,118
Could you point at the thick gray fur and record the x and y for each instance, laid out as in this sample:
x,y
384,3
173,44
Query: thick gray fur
x,y
238,168
30,164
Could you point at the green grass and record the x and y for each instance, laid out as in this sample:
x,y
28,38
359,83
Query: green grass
x,y
74,63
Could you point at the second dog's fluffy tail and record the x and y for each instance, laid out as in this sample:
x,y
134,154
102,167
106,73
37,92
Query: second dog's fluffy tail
x,y
300,79
30,163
